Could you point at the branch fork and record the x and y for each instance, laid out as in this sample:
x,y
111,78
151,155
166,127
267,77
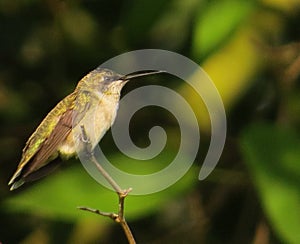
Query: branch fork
x,y
122,194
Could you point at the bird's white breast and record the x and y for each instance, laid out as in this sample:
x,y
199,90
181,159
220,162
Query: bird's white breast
x,y
97,120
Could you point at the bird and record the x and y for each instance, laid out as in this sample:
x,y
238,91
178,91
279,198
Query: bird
x,y
92,105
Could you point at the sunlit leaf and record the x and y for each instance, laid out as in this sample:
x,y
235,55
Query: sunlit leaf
x,y
217,22
58,195
272,155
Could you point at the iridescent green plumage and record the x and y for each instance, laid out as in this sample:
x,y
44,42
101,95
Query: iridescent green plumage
x,y
38,138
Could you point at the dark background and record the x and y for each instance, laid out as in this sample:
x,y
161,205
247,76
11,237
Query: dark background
x,y
250,49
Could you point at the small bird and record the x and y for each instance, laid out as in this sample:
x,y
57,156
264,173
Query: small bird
x,y
93,104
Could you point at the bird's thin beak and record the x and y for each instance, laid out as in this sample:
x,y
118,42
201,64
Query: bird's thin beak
x,y
140,74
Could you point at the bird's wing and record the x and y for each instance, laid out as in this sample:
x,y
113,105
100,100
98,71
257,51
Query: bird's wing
x,y
31,168
67,120
40,136
41,147
47,150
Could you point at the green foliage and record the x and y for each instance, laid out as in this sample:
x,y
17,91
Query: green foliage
x,y
272,155
151,12
58,195
216,23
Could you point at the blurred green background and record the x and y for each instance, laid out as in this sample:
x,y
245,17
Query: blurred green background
x,y
250,49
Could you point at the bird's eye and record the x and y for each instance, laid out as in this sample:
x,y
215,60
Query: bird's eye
x,y
107,78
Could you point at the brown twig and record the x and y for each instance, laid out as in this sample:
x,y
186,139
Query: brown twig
x,y
122,194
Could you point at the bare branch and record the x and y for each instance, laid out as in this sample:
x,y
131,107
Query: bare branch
x,y
122,194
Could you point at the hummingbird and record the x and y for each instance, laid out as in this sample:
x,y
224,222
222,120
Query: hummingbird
x,y
93,104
